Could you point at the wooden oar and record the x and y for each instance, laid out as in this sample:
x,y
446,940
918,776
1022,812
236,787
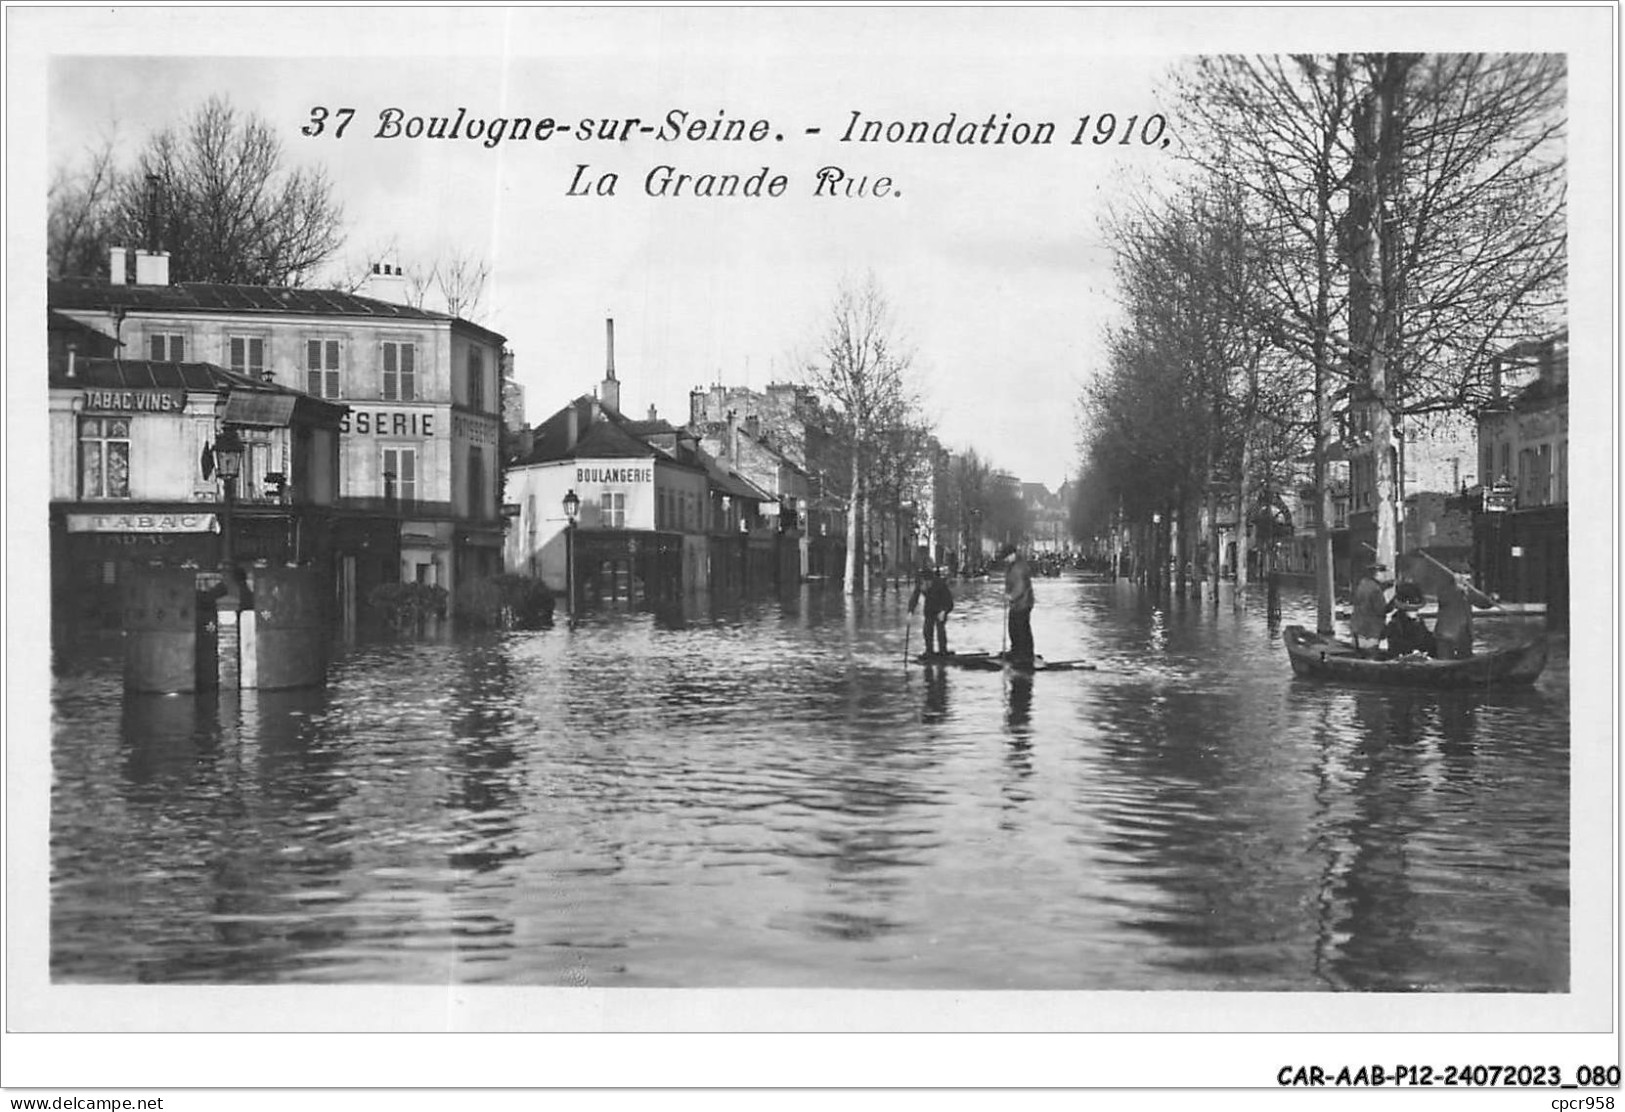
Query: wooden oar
x,y
1470,589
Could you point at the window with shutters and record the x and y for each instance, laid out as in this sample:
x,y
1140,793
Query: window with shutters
x,y
612,509
476,484
246,355
476,379
323,366
400,371
166,347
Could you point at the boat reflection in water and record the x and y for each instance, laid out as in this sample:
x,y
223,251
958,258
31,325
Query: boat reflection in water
x,y
766,794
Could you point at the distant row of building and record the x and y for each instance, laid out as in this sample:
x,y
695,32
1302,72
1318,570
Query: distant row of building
x,y
384,443
1486,492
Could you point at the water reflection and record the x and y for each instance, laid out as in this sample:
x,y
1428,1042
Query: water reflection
x,y
761,793
1018,714
1375,892
936,694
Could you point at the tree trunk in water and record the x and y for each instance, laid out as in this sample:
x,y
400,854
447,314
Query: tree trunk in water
x,y
1384,384
1243,500
1215,558
1176,546
850,583
866,517
1365,354
1325,420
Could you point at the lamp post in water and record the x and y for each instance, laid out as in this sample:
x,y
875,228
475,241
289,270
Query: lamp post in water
x,y
1156,566
226,668
572,506
228,461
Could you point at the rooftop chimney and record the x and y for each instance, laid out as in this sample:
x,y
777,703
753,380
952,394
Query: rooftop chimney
x,y
118,267
611,391
572,426
155,241
653,416
152,268
385,282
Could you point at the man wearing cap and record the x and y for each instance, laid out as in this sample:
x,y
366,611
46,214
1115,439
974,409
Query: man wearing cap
x,y
1018,597
1371,608
1406,632
939,600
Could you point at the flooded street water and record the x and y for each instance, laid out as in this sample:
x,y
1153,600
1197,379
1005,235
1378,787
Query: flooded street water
x,y
764,795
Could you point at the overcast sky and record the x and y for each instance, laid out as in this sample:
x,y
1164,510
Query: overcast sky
x,y
990,254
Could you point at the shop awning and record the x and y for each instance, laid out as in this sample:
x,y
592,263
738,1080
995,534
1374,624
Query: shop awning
x,y
254,408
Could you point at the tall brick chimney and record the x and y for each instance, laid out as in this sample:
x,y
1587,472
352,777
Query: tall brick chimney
x,y
152,261
610,392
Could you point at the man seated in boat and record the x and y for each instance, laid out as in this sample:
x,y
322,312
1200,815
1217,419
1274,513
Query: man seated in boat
x,y
1370,608
939,600
1406,633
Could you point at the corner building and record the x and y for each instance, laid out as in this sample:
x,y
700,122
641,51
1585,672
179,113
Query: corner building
x,y
418,467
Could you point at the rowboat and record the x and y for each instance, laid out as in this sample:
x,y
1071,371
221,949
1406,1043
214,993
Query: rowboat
x,y
990,662
1329,659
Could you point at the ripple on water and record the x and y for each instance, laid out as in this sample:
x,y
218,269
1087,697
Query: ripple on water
x,y
767,796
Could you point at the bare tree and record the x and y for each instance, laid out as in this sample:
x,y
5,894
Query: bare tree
x,y
862,372
1414,207
216,195
460,279
1277,127
80,214
452,283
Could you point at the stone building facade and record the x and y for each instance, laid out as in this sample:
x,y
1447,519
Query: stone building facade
x,y
418,467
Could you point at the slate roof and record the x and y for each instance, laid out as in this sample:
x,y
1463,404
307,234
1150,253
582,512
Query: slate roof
x,y
90,294
611,436
143,374
732,483
649,428
146,374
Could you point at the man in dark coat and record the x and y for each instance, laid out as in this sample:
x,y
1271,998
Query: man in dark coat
x,y
1453,629
1406,633
939,601
1018,595
1370,609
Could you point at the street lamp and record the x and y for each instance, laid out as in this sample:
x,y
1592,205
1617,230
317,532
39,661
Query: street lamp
x,y
572,506
228,461
1155,566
